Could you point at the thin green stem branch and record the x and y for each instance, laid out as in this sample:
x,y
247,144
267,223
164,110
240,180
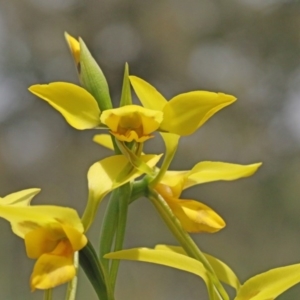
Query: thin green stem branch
x,y
72,285
125,194
48,294
184,239
108,228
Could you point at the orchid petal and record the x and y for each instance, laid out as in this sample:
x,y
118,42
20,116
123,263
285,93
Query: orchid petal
x,y
195,216
77,106
132,122
208,171
108,174
28,218
175,180
41,240
76,238
104,140
147,94
102,174
223,272
53,269
161,257
21,198
269,285
74,47
185,113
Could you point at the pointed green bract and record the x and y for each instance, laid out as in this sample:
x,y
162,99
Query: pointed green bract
x,y
269,285
147,94
126,92
76,105
136,161
185,113
93,78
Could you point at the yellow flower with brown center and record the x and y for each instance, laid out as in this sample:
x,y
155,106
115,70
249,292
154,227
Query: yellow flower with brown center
x,y
80,109
52,235
131,122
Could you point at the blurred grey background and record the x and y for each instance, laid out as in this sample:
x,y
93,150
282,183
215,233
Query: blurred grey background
x,y
248,48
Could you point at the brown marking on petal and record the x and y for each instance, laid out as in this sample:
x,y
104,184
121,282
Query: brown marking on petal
x,y
29,225
201,215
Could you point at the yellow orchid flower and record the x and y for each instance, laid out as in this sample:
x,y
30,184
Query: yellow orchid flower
x,y
81,111
184,113
132,122
107,175
52,235
194,215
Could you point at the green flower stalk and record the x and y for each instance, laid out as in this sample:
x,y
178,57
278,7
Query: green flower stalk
x,y
56,236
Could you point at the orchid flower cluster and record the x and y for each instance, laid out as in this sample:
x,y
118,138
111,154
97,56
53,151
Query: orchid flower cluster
x,y
56,236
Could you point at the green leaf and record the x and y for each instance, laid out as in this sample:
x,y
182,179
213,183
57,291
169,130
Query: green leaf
x,y
94,271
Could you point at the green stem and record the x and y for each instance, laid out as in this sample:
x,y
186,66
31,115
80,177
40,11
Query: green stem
x,y
125,194
48,294
138,189
108,227
184,239
72,285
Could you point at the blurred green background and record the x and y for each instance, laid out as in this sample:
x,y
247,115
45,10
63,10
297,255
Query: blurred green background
x,y
248,48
